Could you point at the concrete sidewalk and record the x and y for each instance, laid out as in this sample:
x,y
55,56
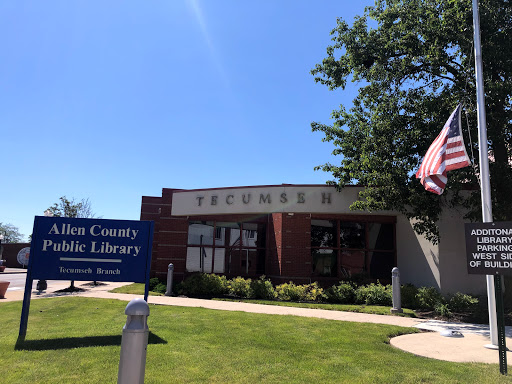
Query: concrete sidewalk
x,y
430,343
12,270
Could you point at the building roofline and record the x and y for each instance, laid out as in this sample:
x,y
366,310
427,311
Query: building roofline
x,y
258,186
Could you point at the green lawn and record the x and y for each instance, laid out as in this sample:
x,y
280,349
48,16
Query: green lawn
x,y
134,289
374,309
77,340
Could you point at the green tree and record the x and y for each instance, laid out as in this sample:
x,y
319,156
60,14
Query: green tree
x,y
413,61
71,208
10,233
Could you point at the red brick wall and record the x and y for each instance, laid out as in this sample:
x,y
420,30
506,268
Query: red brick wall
x,y
274,245
170,237
150,210
10,254
296,246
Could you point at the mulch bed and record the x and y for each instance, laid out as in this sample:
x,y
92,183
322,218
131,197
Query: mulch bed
x,y
480,316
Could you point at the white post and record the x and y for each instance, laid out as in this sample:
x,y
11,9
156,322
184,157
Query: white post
x,y
134,343
484,166
170,273
397,299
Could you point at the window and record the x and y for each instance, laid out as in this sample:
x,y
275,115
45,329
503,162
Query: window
x,y
343,248
200,232
380,236
229,233
323,233
381,255
352,235
226,247
324,262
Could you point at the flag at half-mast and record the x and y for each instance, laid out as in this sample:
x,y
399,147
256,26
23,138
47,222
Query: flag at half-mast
x,y
446,153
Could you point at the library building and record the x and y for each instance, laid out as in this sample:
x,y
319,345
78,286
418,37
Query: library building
x,y
300,233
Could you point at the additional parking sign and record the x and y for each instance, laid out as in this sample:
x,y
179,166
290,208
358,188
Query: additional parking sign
x,y
489,248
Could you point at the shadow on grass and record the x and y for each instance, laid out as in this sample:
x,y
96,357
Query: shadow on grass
x,y
77,342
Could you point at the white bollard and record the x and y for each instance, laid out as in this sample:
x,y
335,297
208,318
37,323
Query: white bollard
x,y
170,273
134,343
397,300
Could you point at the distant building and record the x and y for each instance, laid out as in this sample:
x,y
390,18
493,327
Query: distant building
x,y
302,233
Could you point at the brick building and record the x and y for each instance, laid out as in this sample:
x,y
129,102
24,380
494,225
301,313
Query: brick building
x,y
302,233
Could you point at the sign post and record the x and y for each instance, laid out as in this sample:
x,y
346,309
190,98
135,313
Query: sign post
x,y
502,344
65,248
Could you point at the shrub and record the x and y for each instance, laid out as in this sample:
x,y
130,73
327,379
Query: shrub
x,y
160,288
203,284
360,294
408,298
429,298
344,293
313,292
240,287
308,292
153,282
291,292
461,302
157,286
374,294
263,289
443,310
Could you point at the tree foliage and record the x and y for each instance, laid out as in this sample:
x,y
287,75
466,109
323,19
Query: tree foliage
x,y
11,233
414,62
72,208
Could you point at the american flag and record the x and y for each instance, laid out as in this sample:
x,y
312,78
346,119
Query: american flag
x,y
446,153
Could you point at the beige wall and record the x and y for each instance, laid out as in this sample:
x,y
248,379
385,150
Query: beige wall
x,y
266,199
442,266
417,258
454,275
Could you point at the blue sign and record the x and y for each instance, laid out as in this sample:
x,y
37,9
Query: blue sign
x,y
90,249
65,248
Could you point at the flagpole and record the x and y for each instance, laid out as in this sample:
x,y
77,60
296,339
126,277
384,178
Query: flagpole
x,y
484,166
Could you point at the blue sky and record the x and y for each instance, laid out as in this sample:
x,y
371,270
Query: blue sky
x,y
115,100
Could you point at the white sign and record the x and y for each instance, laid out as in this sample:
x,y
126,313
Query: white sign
x,y
265,199
23,256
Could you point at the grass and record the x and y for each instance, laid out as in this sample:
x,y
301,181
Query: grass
x,y
134,289
77,339
374,309
138,289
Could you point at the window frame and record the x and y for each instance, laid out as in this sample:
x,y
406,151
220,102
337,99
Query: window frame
x,y
239,246
367,251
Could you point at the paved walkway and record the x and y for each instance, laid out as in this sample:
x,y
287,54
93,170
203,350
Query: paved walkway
x,y
470,347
